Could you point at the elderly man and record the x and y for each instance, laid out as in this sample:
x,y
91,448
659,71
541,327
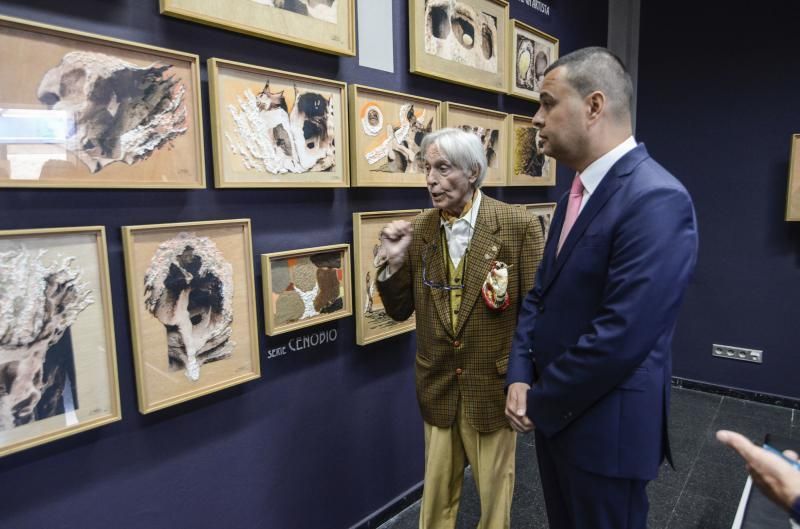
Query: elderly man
x,y
464,267
590,366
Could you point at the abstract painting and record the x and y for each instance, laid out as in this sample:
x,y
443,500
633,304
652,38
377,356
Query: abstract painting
x,y
544,213
491,127
321,25
532,51
529,165
461,41
276,129
57,360
306,287
372,322
192,306
86,111
387,129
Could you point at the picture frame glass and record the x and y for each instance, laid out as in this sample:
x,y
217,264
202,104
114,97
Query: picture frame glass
x,y
529,165
532,53
492,131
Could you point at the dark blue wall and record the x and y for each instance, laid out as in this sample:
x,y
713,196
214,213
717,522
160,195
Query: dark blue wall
x,y
328,435
719,98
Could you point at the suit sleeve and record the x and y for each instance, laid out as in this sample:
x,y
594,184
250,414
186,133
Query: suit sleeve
x,y
397,292
654,249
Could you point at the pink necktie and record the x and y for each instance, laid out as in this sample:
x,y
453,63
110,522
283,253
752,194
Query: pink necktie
x,y
573,208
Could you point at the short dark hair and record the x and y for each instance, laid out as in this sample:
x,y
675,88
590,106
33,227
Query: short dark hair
x,y
598,69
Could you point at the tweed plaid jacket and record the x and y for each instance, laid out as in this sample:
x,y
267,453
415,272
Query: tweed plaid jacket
x,y
470,361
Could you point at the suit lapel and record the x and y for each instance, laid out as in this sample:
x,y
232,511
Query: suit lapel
x,y
483,249
435,270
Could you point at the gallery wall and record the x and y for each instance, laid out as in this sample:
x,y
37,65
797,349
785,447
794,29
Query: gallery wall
x,y
718,103
330,434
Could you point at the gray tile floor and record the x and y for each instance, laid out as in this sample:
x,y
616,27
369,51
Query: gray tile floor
x,y
704,491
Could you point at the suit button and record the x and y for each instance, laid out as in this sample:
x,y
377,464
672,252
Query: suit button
x,y
458,371
457,344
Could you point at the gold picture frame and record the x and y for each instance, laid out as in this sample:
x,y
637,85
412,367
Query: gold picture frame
x,y
544,211
460,41
491,127
527,166
290,280
87,111
793,194
246,99
372,322
191,283
530,52
322,28
377,120
56,336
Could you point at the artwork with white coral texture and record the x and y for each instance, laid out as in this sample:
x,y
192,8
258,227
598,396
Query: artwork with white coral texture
x,y
55,369
458,32
76,112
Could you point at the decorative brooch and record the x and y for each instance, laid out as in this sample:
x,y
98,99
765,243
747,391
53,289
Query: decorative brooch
x,y
495,288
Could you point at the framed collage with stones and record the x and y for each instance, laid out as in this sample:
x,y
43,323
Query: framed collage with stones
x,y
58,370
306,287
372,322
191,297
544,211
491,127
82,110
386,130
528,166
530,53
460,41
277,129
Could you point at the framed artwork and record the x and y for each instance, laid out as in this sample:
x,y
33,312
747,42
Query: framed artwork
x,y
82,110
306,287
58,368
321,25
460,41
386,130
528,165
276,129
530,53
544,212
191,297
793,198
491,127
372,322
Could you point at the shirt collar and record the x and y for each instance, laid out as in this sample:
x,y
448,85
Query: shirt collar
x,y
594,173
468,216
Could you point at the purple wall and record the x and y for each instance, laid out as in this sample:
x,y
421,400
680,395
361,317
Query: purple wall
x,y
328,435
719,86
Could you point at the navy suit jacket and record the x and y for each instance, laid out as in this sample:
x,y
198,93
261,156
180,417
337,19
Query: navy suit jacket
x,y
594,335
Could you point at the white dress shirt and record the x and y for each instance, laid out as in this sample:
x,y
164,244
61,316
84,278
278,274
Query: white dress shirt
x,y
596,171
459,234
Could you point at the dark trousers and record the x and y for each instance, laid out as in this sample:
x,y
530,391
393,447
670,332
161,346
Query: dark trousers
x,y
576,499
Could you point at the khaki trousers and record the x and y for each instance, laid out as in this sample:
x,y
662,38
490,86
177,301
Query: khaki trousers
x,y
491,456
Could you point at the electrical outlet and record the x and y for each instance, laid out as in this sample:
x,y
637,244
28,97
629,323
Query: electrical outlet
x,y
737,353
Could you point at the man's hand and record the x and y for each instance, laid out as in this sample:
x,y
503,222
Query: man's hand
x,y
777,478
517,407
395,238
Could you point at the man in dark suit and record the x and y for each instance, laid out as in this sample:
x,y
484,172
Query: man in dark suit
x,y
590,365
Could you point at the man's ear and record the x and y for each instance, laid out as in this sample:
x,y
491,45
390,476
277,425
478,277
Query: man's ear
x,y
473,175
595,105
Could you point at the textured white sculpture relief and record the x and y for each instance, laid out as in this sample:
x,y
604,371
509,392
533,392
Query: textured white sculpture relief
x,y
489,139
271,138
457,32
189,288
120,112
372,122
532,60
38,303
401,148
319,9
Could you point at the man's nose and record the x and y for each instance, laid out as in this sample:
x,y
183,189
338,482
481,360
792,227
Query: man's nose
x,y
430,177
537,120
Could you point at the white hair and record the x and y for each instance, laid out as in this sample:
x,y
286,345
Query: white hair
x,y
461,148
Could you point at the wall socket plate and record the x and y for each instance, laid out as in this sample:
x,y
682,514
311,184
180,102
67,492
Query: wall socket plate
x,y
737,353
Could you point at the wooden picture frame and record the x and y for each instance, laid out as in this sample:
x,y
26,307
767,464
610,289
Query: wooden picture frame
x,y
491,127
87,111
191,283
379,127
57,348
460,41
544,211
531,51
372,322
240,95
319,28
793,194
527,166
290,280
